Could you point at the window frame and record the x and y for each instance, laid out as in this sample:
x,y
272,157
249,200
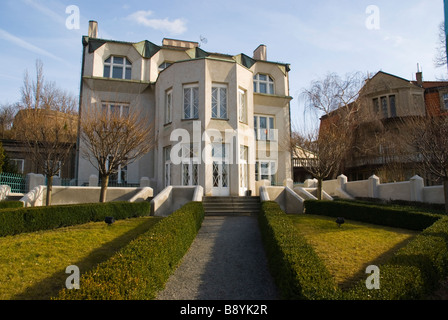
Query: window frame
x,y
242,106
125,67
269,82
444,97
220,88
107,105
272,173
194,109
15,162
270,131
168,112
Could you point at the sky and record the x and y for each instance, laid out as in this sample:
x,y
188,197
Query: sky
x,y
314,37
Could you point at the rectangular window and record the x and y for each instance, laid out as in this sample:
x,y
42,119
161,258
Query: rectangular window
x,y
191,102
392,108
167,168
190,166
19,164
219,102
168,106
445,100
384,106
264,128
115,109
376,106
242,106
265,170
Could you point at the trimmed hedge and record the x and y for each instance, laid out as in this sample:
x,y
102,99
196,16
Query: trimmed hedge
x,y
298,272
140,270
29,219
10,204
415,271
372,213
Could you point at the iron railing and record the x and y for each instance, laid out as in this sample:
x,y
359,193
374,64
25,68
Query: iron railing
x,y
16,181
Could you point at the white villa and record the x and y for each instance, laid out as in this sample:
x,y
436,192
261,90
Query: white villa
x,y
220,121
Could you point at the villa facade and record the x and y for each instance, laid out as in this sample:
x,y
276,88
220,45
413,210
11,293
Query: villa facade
x,y
220,121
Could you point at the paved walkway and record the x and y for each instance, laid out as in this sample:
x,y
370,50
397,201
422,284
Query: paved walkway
x,y
226,261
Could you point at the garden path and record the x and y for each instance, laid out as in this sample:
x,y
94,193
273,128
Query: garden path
x,y
226,261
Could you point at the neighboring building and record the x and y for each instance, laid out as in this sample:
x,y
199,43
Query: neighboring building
x,y
384,101
18,151
185,89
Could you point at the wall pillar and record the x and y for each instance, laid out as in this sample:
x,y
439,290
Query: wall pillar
x,y
417,185
374,181
93,181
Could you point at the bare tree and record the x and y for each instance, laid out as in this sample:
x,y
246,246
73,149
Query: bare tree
x,y
440,59
113,139
319,152
428,139
47,125
7,113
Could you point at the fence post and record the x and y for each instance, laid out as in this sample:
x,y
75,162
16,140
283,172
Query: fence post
x,y
417,185
374,181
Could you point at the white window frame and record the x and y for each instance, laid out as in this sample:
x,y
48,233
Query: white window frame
x,y
271,170
269,82
242,101
190,164
16,162
270,134
121,169
193,105
168,106
122,107
167,166
220,102
125,67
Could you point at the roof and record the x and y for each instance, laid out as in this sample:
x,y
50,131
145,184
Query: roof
x,y
147,49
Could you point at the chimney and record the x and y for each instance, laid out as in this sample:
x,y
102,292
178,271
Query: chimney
x,y
419,76
93,29
260,53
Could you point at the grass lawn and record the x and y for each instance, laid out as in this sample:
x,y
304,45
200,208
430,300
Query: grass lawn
x,y
349,249
32,265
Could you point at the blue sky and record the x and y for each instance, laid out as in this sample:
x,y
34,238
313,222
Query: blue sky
x,y
315,37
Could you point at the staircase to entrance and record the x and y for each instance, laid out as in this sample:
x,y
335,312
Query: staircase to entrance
x,y
231,206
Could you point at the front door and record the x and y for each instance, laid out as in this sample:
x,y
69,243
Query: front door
x,y
243,170
220,176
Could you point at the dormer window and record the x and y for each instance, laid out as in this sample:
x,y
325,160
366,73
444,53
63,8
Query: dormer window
x,y
163,66
117,68
263,83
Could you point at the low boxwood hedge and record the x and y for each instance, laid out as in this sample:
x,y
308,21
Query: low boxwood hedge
x,y
391,216
11,204
29,219
140,270
414,272
298,272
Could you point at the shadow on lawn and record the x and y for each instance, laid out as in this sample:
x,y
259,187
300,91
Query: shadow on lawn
x,y
381,259
50,286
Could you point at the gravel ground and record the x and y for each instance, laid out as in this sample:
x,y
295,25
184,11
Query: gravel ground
x,y
226,261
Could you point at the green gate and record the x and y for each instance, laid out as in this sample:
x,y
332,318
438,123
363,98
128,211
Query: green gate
x,y
15,181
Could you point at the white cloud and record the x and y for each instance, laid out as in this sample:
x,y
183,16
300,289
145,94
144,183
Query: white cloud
x,y
177,26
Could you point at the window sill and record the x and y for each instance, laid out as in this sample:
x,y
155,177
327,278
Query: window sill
x,y
189,119
221,119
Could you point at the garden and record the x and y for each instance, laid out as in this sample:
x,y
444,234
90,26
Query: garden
x,y
314,258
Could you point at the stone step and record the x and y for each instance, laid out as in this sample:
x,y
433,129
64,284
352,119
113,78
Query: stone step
x,y
218,206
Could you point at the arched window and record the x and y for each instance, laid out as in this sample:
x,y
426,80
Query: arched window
x,y
117,68
263,83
